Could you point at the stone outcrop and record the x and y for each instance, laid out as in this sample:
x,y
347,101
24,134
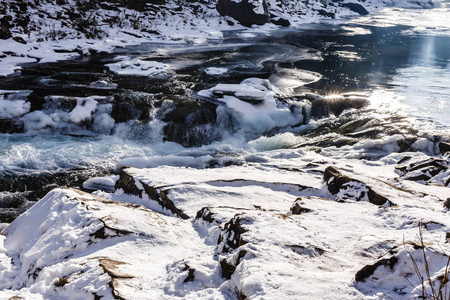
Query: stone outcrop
x,y
345,187
132,186
444,147
229,240
246,12
429,170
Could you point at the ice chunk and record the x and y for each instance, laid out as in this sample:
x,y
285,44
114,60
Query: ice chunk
x,y
138,67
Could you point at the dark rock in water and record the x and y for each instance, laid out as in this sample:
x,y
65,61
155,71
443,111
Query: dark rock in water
x,y
297,209
405,144
124,112
325,106
368,270
192,125
355,7
444,147
339,183
11,126
245,12
4,27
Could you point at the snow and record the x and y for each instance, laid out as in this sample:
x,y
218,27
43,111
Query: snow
x,y
152,250
90,115
262,113
138,67
215,71
110,244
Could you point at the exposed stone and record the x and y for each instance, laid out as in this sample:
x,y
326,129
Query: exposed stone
x,y
205,214
280,21
297,209
368,270
447,203
4,27
124,112
444,147
246,12
229,268
130,186
127,183
11,126
231,236
356,7
337,182
191,274
426,170
19,39
324,106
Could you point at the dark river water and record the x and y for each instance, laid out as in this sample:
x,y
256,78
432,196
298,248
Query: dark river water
x,y
403,74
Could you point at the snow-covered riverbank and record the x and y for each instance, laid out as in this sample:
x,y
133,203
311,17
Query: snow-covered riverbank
x,y
284,224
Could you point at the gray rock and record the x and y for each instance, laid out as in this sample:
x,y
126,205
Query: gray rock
x,y
245,11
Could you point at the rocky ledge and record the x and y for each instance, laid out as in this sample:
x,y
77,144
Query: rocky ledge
x,y
288,223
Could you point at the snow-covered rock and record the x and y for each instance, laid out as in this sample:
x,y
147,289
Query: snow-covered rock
x,y
256,230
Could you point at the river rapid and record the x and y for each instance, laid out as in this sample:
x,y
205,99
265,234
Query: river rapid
x,y
401,69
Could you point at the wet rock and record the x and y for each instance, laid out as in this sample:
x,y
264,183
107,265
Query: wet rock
x,y
11,126
344,187
192,125
246,12
444,147
325,106
124,112
310,251
327,14
127,183
355,7
228,267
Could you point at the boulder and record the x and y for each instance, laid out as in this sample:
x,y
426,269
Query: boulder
x,y
356,7
246,12
343,186
280,21
297,209
230,239
4,28
429,170
444,147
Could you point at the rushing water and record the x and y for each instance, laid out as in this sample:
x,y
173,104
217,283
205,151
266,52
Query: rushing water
x,y
405,73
